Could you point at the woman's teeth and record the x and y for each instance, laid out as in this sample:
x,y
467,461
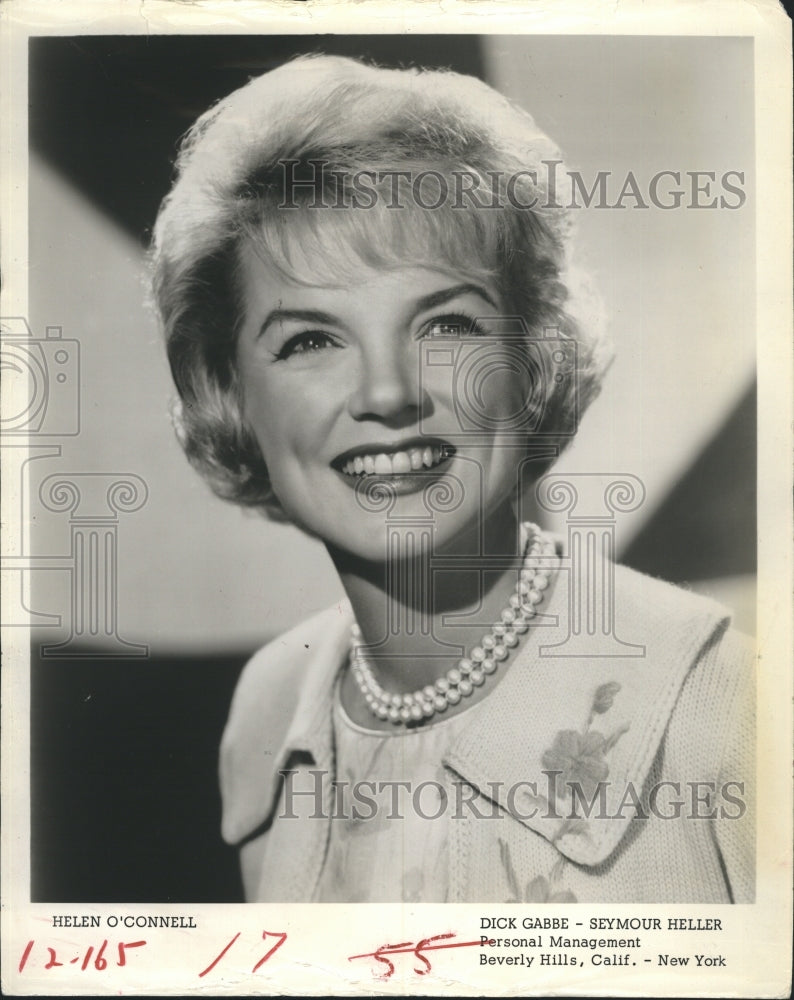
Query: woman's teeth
x,y
396,464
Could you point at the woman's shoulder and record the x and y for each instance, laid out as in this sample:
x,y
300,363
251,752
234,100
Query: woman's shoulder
x,y
716,702
281,687
671,612
272,679
294,650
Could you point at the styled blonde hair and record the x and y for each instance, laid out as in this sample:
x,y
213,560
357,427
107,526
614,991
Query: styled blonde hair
x,y
276,164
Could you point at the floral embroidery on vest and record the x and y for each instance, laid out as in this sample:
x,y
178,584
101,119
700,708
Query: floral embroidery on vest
x,y
577,759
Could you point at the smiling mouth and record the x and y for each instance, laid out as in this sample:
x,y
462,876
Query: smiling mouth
x,y
401,462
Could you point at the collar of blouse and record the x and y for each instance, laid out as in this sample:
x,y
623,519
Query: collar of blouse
x,y
575,706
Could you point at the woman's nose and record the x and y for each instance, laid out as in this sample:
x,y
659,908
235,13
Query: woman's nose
x,y
388,385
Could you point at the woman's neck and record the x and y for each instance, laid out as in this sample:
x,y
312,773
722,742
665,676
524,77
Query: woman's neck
x,y
419,614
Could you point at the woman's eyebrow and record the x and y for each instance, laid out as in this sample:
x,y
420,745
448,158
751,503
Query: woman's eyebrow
x,y
444,295
430,301
301,315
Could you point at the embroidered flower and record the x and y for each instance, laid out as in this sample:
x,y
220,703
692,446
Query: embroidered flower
x,y
604,696
539,889
579,758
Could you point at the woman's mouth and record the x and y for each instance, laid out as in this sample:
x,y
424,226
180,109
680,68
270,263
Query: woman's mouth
x,y
396,463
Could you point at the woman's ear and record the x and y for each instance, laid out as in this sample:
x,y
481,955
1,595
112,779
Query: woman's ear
x,y
177,414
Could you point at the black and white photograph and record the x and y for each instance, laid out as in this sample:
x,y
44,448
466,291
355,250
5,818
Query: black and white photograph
x,y
387,520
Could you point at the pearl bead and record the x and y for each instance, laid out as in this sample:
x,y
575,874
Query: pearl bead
x,y
541,582
489,666
440,703
477,655
405,714
500,653
394,714
466,687
382,712
408,699
488,642
453,695
515,601
428,709
477,677
465,666
429,691
416,712
508,617
510,639
454,676
499,629
442,685
397,700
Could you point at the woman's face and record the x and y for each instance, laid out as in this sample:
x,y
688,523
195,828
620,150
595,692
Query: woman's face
x,y
352,386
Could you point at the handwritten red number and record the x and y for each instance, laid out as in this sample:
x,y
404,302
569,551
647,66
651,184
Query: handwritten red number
x,y
101,963
25,954
265,935
389,947
52,962
281,939
424,943
212,965
406,948
129,944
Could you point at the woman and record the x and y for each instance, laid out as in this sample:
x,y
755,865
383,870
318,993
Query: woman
x,y
376,332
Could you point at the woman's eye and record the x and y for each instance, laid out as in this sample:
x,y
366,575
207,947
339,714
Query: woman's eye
x,y
307,342
454,325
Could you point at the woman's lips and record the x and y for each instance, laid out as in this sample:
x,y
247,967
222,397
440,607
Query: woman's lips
x,y
395,463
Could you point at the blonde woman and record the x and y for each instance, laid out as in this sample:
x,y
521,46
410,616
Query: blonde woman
x,y
363,277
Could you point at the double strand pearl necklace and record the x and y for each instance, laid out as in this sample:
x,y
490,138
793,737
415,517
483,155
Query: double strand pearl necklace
x,y
482,662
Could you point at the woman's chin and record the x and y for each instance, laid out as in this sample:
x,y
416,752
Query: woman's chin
x,y
405,535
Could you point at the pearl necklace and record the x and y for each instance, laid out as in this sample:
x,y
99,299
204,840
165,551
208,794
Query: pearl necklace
x,y
482,662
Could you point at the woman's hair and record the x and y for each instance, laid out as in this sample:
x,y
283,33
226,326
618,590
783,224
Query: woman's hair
x,y
353,164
